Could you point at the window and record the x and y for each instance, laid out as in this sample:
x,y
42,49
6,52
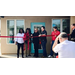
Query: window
x,y
19,24
66,25
13,27
56,22
63,25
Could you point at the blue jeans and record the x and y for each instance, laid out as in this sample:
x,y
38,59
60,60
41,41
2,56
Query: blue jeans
x,y
44,48
51,53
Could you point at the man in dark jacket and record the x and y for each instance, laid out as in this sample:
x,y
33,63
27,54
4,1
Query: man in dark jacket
x,y
73,32
43,40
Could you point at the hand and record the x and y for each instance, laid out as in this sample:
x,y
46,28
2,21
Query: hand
x,y
51,42
39,35
55,36
31,35
16,43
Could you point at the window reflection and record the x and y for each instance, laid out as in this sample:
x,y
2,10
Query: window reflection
x,y
66,25
19,24
10,31
56,22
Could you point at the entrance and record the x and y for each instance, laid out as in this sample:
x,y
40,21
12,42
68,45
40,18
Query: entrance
x,y
38,26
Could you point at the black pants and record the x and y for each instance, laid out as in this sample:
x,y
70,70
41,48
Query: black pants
x,y
20,45
36,45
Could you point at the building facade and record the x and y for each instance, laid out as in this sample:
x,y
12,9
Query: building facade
x,y
10,25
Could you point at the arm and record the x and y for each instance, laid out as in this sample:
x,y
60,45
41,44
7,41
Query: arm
x,y
73,34
43,34
55,43
16,39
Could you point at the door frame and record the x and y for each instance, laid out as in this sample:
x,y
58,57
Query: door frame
x,y
32,31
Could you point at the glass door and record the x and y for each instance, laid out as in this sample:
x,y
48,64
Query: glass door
x,y
38,26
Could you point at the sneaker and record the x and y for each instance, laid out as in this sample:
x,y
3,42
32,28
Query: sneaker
x,y
49,56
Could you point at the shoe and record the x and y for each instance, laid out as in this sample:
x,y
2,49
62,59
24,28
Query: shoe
x,y
43,57
29,55
49,56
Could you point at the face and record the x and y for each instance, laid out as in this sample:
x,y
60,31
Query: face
x,y
72,26
54,29
21,30
42,29
27,31
35,31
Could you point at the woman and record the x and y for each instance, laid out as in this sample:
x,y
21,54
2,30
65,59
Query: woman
x,y
20,42
26,39
36,41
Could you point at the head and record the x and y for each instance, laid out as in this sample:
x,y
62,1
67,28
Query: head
x,y
28,30
21,30
63,36
42,28
54,28
73,26
35,30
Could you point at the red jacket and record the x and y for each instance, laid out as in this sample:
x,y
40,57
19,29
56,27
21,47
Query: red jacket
x,y
26,38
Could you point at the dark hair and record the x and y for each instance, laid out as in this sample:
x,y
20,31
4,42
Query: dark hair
x,y
22,30
43,27
73,24
29,30
55,27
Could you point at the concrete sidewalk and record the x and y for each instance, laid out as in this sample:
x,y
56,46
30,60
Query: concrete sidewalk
x,y
15,56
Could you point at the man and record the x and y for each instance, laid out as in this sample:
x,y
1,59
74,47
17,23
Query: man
x,y
66,49
73,32
43,40
55,33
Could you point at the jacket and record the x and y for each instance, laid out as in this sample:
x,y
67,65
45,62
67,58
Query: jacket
x,y
26,39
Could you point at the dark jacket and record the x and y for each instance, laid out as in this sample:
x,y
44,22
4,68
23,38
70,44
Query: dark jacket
x,y
36,39
44,38
73,35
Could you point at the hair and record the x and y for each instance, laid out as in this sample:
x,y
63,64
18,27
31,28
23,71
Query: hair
x,y
22,30
43,27
36,29
73,24
63,35
29,30
55,27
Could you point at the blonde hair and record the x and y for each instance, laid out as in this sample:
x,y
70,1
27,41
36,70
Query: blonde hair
x,y
36,29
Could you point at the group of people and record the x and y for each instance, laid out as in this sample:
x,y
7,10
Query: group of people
x,y
25,41
60,45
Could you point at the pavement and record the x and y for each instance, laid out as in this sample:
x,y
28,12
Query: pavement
x,y
15,56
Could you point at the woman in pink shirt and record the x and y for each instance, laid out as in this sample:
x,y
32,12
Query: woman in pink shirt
x,y
55,33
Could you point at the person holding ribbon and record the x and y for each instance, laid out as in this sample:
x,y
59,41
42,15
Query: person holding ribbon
x,y
54,34
43,40
20,42
27,40
35,41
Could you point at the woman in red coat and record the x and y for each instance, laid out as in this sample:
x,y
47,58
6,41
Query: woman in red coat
x,y
27,41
